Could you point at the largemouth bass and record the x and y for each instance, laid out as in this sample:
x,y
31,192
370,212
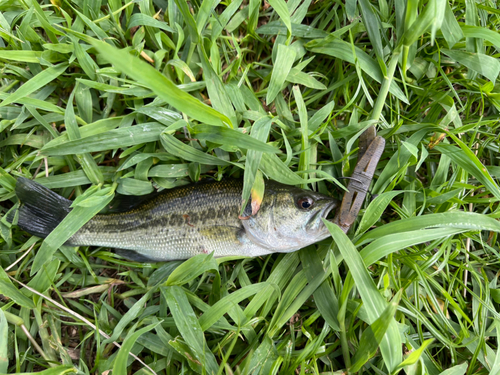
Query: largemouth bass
x,y
189,220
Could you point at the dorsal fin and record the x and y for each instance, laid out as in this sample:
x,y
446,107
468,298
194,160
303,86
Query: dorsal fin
x,y
123,203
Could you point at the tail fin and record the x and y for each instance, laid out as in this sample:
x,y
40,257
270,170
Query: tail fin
x,y
42,210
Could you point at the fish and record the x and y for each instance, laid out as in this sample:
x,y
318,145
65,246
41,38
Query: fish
x,y
183,222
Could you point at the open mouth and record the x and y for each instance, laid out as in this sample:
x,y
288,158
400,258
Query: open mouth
x,y
330,211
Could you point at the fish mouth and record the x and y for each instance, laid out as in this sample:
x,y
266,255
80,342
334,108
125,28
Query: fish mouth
x,y
328,212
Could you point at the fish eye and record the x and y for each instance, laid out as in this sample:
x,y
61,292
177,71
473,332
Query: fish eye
x,y
305,202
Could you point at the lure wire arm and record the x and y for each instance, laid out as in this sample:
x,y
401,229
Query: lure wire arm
x,y
371,148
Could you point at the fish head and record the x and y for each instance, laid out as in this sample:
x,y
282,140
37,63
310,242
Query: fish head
x,y
290,218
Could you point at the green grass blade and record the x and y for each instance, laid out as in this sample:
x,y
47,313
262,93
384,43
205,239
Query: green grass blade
x,y
295,295
305,156
324,296
84,59
272,166
35,103
450,28
160,114
4,336
72,179
118,138
141,19
372,24
467,160
483,64
422,23
21,56
58,370
192,268
263,356
375,210
206,8
188,19
414,356
281,8
298,30
8,289
35,83
217,90
46,24
304,79
88,163
6,180
389,244
371,297
133,186
184,151
439,13
131,314
98,127
320,116
373,335
44,280
230,137
397,162
455,219
284,61
189,327
215,312
471,31
223,19
280,276
344,51
120,365
495,366
168,170
456,370
160,85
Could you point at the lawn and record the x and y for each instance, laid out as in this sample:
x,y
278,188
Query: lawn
x,y
127,97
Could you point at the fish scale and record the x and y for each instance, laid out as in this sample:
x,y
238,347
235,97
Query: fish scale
x,y
176,224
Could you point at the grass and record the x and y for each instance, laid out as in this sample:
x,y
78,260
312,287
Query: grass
x,y
122,97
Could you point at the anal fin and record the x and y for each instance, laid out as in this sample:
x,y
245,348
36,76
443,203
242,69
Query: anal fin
x,y
134,256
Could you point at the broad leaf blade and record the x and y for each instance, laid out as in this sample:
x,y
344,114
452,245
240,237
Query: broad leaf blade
x,y
161,85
